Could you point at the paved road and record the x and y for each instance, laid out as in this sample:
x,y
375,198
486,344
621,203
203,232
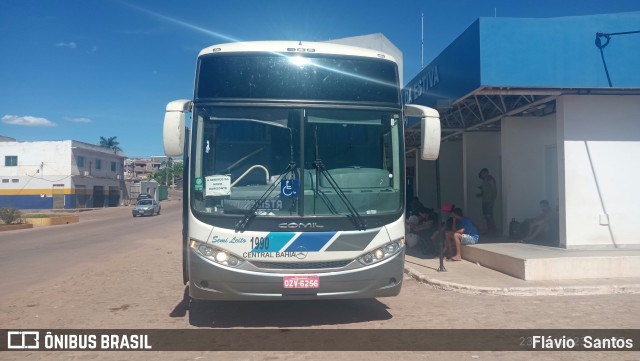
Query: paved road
x,y
113,271
32,256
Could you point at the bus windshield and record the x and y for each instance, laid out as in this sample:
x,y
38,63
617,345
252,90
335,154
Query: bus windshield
x,y
294,161
312,77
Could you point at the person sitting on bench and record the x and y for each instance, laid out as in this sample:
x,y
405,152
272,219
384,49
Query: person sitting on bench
x,y
463,231
540,224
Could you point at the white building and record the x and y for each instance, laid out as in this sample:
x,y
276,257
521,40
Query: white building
x,y
59,174
377,42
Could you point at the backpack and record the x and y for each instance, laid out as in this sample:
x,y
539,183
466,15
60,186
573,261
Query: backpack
x,y
515,229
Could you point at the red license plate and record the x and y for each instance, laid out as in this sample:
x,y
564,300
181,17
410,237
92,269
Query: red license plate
x,y
301,282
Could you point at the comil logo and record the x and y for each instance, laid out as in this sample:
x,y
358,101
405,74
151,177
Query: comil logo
x,y
23,340
294,225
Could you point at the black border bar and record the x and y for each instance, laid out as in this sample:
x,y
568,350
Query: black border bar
x,y
320,340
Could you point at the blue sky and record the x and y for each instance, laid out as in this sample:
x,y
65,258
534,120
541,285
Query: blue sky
x,y
81,69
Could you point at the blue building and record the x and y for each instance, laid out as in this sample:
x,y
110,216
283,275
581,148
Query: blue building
x,y
552,108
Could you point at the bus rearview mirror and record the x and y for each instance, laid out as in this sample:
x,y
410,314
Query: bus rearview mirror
x,y
430,134
173,131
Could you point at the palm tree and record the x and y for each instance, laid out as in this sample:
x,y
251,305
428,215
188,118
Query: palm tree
x,y
110,143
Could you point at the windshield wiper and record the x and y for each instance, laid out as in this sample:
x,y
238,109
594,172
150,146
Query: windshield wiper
x,y
354,216
326,201
251,213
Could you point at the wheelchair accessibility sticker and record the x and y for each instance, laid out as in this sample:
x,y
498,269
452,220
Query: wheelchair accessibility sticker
x,y
289,188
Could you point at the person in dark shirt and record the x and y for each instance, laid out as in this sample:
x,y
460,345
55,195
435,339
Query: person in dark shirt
x,y
445,226
488,194
428,222
542,223
415,206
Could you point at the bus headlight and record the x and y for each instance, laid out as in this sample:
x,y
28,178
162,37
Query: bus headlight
x,y
221,257
215,254
381,253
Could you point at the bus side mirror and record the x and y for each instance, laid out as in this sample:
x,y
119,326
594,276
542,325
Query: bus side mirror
x,y
429,129
173,131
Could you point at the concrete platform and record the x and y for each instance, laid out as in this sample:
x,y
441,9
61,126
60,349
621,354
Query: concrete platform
x,y
473,278
537,263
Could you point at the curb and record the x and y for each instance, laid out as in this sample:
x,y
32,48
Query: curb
x,y
524,291
52,221
13,227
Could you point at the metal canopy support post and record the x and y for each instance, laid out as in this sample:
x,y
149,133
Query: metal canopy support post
x,y
439,203
479,108
501,110
499,117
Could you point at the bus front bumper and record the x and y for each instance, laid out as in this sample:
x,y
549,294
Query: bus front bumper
x,y
209,281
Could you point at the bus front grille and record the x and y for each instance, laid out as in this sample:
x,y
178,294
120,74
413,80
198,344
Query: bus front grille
x,y
300,265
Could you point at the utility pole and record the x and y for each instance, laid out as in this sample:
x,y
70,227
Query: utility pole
x,y
171,168
422,40
166,171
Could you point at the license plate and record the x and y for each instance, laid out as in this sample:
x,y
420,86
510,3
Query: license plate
x,y
301,281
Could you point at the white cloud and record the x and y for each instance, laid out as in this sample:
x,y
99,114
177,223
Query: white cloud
x,y
28,121
78,119
70,45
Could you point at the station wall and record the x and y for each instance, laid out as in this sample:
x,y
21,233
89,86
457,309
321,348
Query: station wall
x,y
599,147
525,168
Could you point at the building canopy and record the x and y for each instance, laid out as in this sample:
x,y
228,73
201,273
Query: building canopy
x,y
506,66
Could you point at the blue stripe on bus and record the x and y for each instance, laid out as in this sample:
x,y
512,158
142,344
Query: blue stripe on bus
x,y
311,241
277,240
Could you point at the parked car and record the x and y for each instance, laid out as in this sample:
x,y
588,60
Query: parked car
x,y
146,207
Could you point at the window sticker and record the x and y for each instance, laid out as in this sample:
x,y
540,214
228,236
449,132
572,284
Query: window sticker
x,y
199,184
289,188
217,185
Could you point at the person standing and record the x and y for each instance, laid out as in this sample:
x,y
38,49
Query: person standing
x,y
488,194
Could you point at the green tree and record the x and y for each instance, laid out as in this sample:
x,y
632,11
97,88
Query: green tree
x,y
110,143
10,215
169,172
177,169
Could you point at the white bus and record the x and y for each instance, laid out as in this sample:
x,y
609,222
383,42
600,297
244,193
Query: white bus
x,y
294,172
